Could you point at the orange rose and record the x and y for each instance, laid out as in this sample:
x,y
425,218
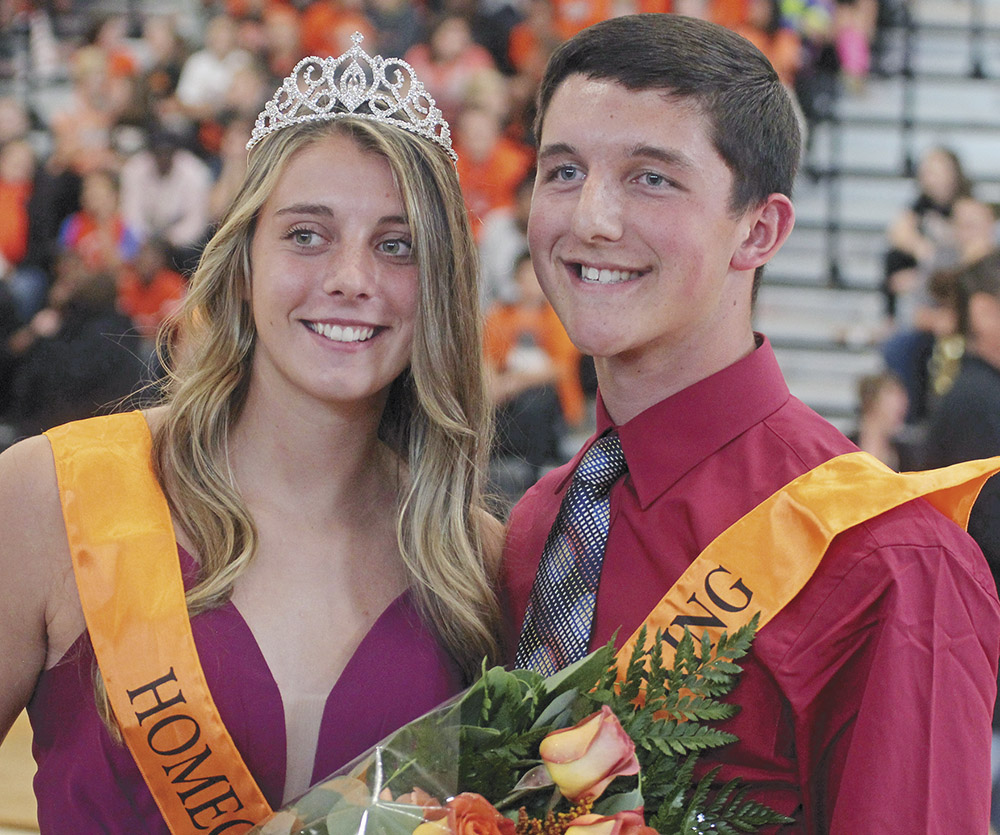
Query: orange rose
x,y
469,814
623,823
582,760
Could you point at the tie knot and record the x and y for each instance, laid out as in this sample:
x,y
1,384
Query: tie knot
x,y
602,464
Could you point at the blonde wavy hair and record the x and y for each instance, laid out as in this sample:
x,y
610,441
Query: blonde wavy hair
x,y
437,418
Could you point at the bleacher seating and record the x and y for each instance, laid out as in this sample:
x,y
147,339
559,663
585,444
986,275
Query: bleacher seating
x,y
820,303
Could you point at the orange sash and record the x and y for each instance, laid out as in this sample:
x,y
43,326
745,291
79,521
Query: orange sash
x,y
763,560
128,574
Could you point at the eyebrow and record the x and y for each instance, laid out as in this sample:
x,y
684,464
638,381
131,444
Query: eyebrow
x,y
667,157
325,211
557,150
306,209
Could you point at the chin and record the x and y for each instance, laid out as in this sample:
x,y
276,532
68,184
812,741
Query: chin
x,y
594,339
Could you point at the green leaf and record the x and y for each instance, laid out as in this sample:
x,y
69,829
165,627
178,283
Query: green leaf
x,y
557,712
620,802
582,675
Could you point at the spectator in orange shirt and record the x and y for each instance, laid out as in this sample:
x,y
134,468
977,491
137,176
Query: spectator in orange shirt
x,y
762,26
273,36
24,285
97,232
574,15
327,26
490,165
17,169
534,380
533,39
149,291
447,62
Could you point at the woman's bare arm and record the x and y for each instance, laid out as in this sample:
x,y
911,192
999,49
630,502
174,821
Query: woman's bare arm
x,y
35,572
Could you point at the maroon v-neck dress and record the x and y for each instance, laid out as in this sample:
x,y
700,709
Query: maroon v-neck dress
x,y
86,782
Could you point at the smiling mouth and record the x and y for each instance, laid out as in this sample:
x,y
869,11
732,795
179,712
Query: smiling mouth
x,y
597,275
341,333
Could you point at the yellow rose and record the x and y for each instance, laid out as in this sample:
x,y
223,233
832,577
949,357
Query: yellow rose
x,y
438,827
584,759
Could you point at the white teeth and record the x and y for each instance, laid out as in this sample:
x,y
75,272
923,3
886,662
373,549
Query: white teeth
x,y
599,276
337,333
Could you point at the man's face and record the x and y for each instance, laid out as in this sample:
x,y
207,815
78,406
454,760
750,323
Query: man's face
x,y
631,232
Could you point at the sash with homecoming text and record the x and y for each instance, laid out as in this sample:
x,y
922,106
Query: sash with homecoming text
x,y
121,538
759,563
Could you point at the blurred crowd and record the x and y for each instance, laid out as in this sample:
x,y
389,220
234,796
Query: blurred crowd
x,y
107,198
937,401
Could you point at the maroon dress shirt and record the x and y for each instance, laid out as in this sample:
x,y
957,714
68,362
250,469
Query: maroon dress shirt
x,y
866,702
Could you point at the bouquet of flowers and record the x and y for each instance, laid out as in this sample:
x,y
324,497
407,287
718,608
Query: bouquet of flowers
x,y
596,749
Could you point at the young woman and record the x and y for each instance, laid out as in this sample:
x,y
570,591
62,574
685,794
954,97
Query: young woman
x,y
320,448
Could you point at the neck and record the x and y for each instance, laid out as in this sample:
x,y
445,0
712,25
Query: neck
x,y
631,384
327,459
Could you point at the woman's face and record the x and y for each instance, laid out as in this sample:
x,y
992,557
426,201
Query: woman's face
x,y
938,177
334,283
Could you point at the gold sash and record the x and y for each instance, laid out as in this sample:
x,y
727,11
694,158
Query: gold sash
x,y
128,574
763,560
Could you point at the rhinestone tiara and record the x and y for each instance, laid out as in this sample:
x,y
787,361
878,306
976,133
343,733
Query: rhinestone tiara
x,y
355,84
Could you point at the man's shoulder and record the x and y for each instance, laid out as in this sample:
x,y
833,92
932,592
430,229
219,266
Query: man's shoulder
x,y
889,544
910,570
919,529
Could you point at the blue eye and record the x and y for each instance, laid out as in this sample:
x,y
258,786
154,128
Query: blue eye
x,y
563,173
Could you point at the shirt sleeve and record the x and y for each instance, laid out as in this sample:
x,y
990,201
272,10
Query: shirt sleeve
x,y
895,680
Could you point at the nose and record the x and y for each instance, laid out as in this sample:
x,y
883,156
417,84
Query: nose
x,y
598,211
350,273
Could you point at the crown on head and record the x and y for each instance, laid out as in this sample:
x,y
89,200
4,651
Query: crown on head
x,y
355,84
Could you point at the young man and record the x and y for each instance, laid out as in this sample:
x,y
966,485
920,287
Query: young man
x,y
667,151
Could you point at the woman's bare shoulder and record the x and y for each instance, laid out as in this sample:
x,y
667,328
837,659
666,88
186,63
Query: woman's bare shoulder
x,y
33,544
27,484
35,565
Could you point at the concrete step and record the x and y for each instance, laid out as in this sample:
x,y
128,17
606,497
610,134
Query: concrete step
x,y
827,379
818,316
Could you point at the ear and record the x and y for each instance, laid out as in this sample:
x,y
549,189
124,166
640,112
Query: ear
x,y
768,226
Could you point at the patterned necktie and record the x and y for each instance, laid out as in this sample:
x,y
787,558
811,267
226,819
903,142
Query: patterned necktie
x,y
560,614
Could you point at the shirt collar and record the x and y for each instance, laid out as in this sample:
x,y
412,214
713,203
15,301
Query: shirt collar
x,y
671,437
